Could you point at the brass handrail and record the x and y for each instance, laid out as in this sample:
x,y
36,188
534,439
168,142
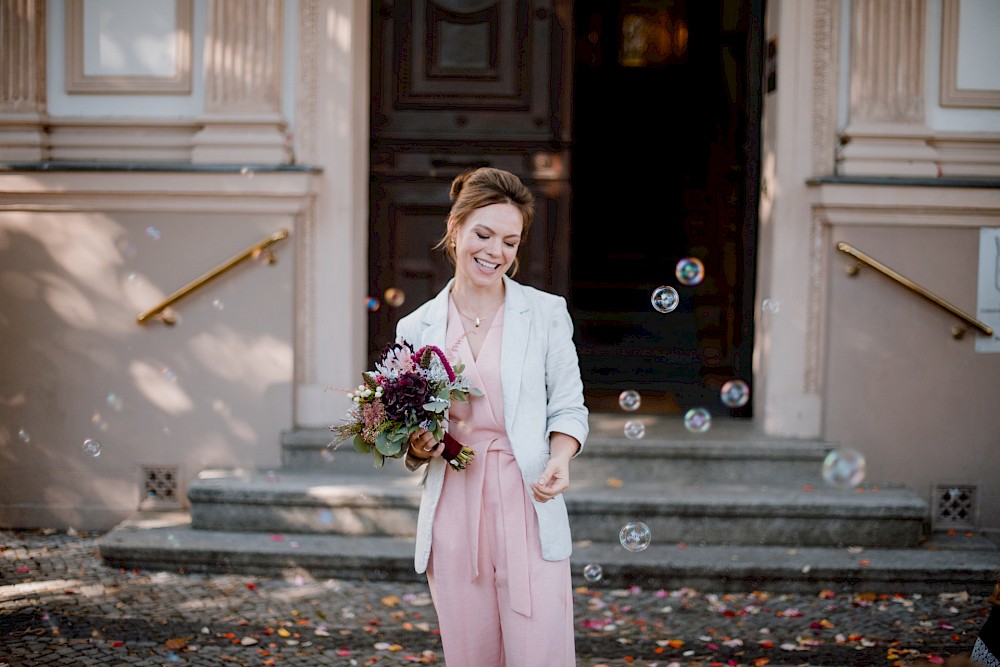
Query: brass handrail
x,y
967,319
253,251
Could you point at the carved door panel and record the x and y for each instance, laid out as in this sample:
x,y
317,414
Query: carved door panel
x,y
448,70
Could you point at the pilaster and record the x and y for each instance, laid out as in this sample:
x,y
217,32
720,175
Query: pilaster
x,y
243,121
23,136
886,133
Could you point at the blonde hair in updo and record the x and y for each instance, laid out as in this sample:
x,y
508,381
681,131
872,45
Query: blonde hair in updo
x,y
479,188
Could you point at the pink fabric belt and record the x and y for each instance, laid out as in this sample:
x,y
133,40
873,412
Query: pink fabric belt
x,y
503,488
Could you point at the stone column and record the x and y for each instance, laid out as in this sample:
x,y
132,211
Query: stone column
x,y
243,121
23,136
886,134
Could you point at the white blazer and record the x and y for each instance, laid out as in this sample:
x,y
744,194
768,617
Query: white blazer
x,y
542,394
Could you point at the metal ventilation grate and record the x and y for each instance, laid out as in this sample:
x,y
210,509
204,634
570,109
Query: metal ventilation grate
x,y
159,486
954,506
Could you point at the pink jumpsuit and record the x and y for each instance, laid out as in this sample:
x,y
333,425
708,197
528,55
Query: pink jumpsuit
x,y
498,602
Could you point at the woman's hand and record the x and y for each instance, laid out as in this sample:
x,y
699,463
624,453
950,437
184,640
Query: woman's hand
x,y
422,445
554,480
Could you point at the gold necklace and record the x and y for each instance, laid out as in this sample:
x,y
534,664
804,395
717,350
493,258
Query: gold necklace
x,y
477,320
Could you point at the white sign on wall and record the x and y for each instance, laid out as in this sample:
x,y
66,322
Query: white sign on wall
x,y
988,303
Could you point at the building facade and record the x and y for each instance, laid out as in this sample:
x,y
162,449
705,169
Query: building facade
x,y
142,147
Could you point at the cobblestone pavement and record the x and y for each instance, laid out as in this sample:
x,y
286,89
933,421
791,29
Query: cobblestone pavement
x,y
60,605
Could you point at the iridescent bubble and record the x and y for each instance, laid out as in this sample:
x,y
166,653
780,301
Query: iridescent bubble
x,y
690,271
264,256
168,374
24,436
665,299
218,304
325,516
247,171
92,447
373,304
153,233
634,536
272,476
115,401
98,420
629,400
593,572
735,393
134,279
394,297
126,248
697,420
844,468
771,306
328,454
634,430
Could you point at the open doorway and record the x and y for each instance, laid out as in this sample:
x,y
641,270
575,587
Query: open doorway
x,y
666,123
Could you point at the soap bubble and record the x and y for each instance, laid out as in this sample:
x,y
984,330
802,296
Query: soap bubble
x,y
771,306
126,248
24,436
634,536
153,233
735,393
373,304
168,374
98,420
218,304
92,447
247,171
634,430
394,297
328,454
114,401
844,468
697,420
690,271
629,400
593,572
264,256
665,299
271,476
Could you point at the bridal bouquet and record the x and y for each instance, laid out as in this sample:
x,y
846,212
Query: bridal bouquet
x,y
407,391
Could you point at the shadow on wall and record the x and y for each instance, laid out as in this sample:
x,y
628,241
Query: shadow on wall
x,y
89,399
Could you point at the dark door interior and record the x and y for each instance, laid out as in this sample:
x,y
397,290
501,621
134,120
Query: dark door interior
x,y
665,155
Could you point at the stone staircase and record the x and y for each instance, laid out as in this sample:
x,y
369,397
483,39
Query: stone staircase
x,y
729,509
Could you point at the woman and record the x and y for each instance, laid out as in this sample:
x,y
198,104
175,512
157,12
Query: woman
x,y
494,538
986,651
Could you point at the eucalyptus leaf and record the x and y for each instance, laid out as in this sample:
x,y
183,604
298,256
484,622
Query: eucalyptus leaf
x,y
360,446
436,406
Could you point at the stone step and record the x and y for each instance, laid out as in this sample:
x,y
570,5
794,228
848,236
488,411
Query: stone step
x,y
291,501
166,541
667,455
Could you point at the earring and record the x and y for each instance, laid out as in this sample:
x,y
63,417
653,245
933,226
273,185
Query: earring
x,y
453,244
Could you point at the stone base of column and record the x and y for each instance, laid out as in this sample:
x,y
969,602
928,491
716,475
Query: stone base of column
x,y
241,141
23,138
890,150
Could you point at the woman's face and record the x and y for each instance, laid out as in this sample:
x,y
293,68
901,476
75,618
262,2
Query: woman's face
x,y
486,244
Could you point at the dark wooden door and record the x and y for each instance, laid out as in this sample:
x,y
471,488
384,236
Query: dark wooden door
x,y
456,85
664,147
665,167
